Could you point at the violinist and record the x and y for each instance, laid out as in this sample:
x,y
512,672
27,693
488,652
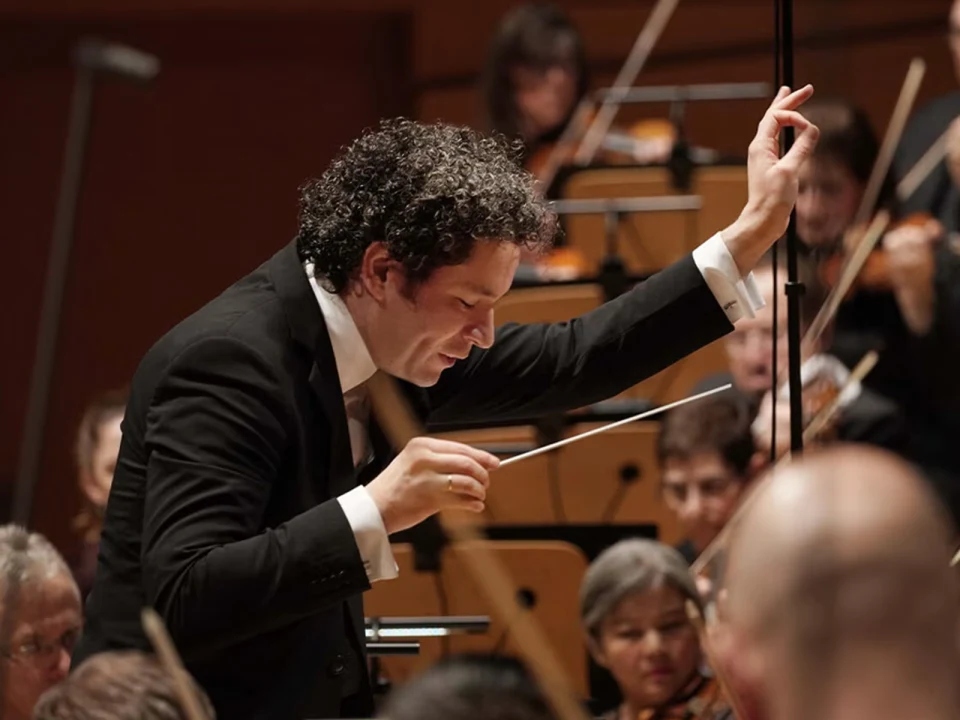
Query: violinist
x,y
839,600
534,80
864,416
535,75
939,194
632,608
910,313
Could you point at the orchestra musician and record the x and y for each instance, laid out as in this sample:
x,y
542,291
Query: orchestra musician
x,y
253,500
839,599
939,194
910,312
534,76
534,79
633,612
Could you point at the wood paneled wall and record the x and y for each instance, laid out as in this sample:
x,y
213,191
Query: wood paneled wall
x,y
192,180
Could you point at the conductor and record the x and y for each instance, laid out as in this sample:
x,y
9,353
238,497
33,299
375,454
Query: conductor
x,y
252,503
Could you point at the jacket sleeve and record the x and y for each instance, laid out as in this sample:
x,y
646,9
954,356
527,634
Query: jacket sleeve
x,y
217,434
544,368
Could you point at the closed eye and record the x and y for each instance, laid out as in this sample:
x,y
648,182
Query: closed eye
x,y
468,306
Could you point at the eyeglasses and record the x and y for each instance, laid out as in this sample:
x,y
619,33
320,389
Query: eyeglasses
x,y
35,650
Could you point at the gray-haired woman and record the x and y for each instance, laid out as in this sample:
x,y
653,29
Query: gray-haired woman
x,y
632,608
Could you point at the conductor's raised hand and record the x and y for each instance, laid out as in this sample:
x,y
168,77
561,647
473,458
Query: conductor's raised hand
x,y
431,475
772,180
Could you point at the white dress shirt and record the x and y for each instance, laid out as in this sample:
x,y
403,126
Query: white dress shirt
x,y
737,296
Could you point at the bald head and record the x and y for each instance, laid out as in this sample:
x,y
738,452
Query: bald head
x,y
842,562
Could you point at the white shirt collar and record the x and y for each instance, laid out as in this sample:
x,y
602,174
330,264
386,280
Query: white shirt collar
x,y
354,364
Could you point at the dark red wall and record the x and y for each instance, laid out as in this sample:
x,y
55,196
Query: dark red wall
x,y
191,181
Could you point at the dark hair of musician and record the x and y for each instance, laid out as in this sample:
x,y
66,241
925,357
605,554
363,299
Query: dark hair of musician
x,y
537,36
428,192
718,424
116,685
469,687
848,138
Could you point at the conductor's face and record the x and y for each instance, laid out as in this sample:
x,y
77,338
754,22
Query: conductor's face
x,y
415,331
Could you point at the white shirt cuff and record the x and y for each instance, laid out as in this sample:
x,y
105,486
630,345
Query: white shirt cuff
x,y
739,297
370,533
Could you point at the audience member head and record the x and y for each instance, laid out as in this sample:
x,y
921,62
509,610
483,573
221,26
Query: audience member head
x,y
535,74
834,178
40,619
707,459
749,347
840,602
117,685
633,613
97,447
469,687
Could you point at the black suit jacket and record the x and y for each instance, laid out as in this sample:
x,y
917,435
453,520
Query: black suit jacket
x,y
223,512
937,194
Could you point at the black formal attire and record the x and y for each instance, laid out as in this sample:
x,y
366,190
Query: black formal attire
x,y
224,511
937,194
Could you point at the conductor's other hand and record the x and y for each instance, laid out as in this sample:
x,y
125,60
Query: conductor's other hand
x,y
772,181
431,475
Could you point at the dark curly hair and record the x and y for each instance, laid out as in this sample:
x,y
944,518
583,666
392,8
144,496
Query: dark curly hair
x,y
428,192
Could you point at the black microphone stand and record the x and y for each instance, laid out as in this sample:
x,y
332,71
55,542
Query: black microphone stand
x,y
783,13
57,261
89,58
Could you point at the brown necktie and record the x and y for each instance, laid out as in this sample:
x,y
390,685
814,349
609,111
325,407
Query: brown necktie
x,y
357,404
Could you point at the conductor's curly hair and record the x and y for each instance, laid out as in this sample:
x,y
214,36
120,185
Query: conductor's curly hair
x,y
428,192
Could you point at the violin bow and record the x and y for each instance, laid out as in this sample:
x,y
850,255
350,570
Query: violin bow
x,y
166,651
898,121
927,163
696,619
639,53
568,141
854,264
399,423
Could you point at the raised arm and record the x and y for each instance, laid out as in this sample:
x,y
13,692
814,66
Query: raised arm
x,y
547,368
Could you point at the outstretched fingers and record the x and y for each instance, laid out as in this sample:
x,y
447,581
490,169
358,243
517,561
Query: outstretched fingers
x,y
785,101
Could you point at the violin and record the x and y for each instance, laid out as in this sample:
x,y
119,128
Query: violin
x,y
875,274
701,699
646,141
562,263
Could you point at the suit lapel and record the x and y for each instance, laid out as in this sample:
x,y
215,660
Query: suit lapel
x,y
309,330
326,386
